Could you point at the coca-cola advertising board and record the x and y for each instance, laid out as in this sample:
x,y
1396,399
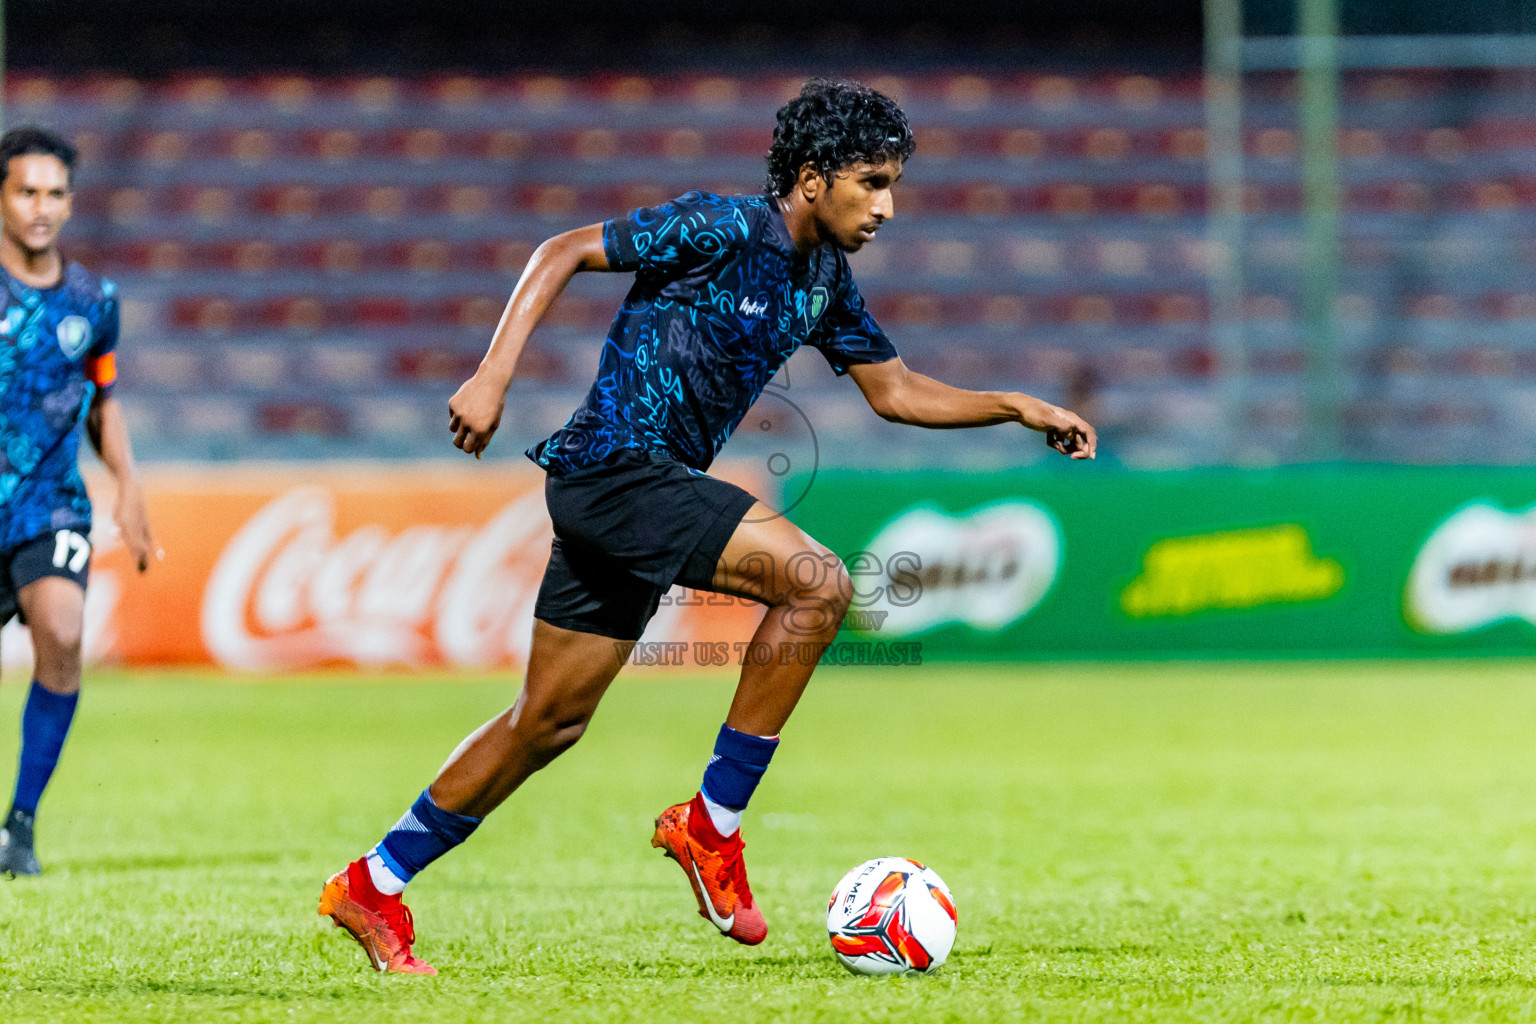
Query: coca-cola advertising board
x,y
271,569
282,569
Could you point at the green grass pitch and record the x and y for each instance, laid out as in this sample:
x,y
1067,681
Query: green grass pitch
x,y
1214,842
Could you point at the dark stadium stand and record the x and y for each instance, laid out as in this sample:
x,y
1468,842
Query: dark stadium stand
x,y
311,265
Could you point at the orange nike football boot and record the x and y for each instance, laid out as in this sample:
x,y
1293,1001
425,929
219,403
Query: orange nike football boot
x,y
381,924
714,868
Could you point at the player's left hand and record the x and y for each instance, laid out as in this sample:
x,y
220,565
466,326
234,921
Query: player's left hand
x,y
132,519
1064,431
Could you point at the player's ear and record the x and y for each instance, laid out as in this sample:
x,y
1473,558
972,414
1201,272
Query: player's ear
x,y
809,181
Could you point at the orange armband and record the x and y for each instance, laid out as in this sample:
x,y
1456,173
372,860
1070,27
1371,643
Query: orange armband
x,y
102,370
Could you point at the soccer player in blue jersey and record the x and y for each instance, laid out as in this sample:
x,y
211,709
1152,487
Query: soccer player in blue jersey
x,y
57,368
726,288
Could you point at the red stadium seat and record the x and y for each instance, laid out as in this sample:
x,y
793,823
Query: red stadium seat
x,y
375,95
381,311
437,364
1065,204
288,93
316,418
1483,361
32,92
335,145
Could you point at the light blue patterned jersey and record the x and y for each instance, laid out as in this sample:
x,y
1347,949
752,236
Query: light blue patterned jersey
x,y
721,299
56,351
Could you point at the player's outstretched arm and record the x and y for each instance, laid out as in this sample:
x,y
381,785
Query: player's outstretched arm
x,y
901,395
475,409
108,432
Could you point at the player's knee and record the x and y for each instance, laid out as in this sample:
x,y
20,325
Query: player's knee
x,y
835,595
59,637
841,587
818,603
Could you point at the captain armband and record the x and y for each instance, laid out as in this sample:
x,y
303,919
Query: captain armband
x,y
102,371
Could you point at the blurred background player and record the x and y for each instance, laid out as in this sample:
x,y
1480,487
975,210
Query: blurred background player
x,y
57,368
726,289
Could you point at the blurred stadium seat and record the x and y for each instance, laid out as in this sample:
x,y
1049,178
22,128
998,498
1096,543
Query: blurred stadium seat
x,y
303,248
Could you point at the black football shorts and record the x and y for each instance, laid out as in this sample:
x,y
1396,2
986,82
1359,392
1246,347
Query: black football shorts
x,y
63,553
625,531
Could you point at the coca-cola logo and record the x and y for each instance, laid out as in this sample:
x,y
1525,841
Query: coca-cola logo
x,y
288,592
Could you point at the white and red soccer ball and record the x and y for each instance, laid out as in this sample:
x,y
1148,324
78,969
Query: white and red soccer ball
x,y
891,915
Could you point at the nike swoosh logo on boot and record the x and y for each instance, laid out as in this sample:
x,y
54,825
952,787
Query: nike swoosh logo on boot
x,y
723,923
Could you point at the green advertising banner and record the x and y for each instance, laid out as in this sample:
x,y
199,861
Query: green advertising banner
x,y
1085,562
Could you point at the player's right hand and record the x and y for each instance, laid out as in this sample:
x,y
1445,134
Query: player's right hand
x,y
475,412
131,517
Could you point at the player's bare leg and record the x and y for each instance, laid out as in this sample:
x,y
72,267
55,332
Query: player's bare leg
x,y
54,608
807,591
568,673
55,611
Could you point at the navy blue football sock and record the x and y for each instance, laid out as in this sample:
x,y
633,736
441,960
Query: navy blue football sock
x,y
738,765
44,724
423,834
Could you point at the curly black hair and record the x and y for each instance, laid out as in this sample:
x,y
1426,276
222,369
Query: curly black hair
x,y
834,125
29,140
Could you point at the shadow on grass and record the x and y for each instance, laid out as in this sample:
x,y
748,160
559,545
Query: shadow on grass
x,y
459,984
160,862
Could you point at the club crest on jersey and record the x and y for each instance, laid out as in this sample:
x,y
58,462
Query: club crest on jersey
x,y
74,336
815,305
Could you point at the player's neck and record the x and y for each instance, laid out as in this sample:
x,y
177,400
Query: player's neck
x,y
35,269
800,222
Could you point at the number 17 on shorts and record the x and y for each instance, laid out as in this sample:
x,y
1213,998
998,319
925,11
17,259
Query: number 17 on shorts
x,y
71,552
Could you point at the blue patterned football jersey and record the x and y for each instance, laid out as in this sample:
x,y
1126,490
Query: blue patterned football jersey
x,y
721,299
56,353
